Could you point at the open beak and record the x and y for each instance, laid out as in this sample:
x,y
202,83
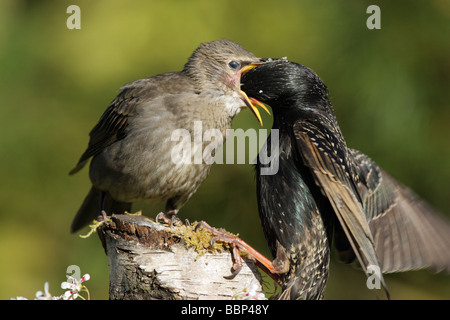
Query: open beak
x,y
251,103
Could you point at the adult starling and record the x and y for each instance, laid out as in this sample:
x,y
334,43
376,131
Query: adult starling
x,y
323,188
132,145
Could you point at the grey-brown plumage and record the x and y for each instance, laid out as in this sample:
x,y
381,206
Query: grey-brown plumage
x,y
322,187
131,146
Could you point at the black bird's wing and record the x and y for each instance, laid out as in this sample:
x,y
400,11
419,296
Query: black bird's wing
x,y
408,234
324,151
112,124
374,210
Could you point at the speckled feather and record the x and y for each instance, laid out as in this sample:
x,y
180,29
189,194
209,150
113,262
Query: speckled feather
x,y
291,217
376,219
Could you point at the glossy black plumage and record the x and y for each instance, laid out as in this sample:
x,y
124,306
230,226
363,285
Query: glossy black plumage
x,y
324,188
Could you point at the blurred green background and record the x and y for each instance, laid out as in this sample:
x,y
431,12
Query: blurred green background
x,y
389,87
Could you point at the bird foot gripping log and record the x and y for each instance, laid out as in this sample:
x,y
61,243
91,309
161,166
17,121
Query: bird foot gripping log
x,y
148,260
272,269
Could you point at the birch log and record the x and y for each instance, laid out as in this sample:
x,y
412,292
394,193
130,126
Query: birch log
x,y
148,260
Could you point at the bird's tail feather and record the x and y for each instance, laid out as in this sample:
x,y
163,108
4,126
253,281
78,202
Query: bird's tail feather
x,y
92,206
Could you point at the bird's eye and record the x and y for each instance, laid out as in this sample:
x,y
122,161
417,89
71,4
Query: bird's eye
x,y
234,64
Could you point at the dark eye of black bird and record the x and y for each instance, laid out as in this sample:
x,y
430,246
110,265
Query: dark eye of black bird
x,y
234,64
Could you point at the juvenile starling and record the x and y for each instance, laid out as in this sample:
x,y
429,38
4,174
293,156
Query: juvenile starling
x,y
323,188
131,146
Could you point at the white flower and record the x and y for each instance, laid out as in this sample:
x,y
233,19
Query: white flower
x,y
44,295
75,287
250,293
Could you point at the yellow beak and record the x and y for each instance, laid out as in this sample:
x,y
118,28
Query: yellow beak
x,y
251,102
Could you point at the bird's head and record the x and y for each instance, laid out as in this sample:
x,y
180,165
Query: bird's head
x,y
218,66
286,85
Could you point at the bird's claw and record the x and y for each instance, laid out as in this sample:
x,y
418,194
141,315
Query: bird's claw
x,y
102,216
236,245
223,236
162,216
171,220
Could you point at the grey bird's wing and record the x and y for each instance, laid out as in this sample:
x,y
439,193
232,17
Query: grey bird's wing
x,y
408,234
324,151
112,124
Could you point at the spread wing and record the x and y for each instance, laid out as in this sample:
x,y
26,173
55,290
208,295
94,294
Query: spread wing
x,y
324,151
405,231
112,124
408,234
